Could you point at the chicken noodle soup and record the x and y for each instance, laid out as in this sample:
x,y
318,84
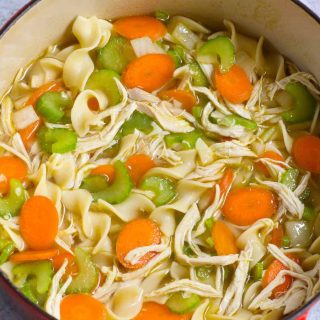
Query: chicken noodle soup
x,y
155,169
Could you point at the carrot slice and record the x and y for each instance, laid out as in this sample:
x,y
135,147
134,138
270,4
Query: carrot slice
x,y
140,26
11,168
149,72
29,134
93,104
223,238
306,153
277,235
272,271
234,85
39,222
269,155
58,260
34,255
186,98
156,311
82,307
51,86
106,170
226,180
135,234
138,165
246,205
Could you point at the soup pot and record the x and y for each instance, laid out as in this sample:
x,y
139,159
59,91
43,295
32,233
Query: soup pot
x,y
291,27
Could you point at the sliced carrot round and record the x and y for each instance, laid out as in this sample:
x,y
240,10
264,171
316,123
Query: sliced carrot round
x,y
93,104
149,72
186,98
226,180
11,168
34,255
246,205
59,259
233,85
29,134
306,153
269,155
224,240
138,165
135,234
140,26
277,236
157,311
39,222
106,170
82,307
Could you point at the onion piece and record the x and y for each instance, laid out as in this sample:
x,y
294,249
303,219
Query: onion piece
x,y
299,232
185,36
24,117
144,45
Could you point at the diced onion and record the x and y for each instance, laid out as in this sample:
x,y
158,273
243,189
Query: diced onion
x,y
144,45
24,117
299,232
185,36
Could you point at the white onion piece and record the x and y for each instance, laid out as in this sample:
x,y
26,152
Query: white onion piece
x,y
185,36
24,117
299,232
144,45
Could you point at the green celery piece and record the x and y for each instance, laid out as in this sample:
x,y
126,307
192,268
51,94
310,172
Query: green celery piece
x,y
197,112
42,271
304,104
138,120
120,189
258,271
285,242
28,292
177,303
188,251
289,178
95,183
51,106
209,223
210,242
88,276
57,140
116,54
163,188
199,79
234,119
104,80
178,55
309,214
161,15
187,140
305,194
221,47
6,252
204,272
11,204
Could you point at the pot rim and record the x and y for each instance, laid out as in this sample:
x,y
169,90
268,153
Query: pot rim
x,y
3,279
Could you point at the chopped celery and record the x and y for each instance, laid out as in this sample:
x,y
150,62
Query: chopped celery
x,y
57,140
209,223
221,47
304,104
184,36
27,291
42,271
51,105
163,188
309,214
181,303
120,189
95,183
185,140
305,194
234,119
197,112
188,251
210,242
204,272
116,54
162,15
138,120
88,276
178,55
199,79
285,243
11,204
6,247
289,178
104,80
257,271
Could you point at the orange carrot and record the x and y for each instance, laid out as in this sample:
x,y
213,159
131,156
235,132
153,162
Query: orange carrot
x,y
93,104
29,255
223,238
11,168
51,86
306,153
149,72
246,205
277,235
226,180
156,311
106,170
82,307
140,26
272,271
186,98
39,222
137,233
58,260
234,85
269,155
138,165
29,134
